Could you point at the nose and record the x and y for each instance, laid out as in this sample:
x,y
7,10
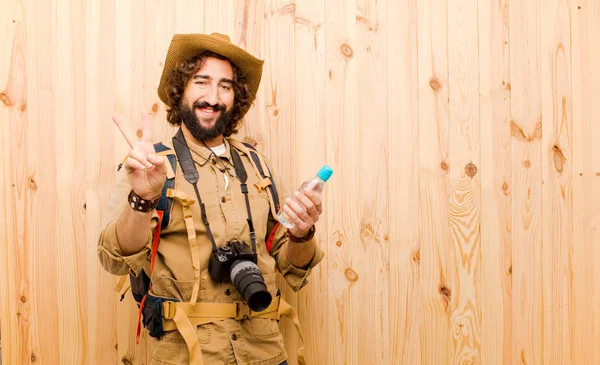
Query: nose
x,y
212,97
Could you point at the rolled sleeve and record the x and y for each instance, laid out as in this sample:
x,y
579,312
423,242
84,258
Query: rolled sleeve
x,y
113,260
109,250
296,277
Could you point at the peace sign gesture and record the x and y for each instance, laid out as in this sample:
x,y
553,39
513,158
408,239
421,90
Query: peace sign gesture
x,y
146,171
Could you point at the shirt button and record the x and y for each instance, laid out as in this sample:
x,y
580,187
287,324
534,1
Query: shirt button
x,y
234,337
227,292
223,199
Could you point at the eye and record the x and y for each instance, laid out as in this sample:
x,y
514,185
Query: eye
x,y
201,82
226,87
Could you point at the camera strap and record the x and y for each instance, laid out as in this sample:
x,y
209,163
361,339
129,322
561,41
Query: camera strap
x,y
240,170
191,175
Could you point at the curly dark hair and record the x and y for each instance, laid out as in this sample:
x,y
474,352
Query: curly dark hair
x,y
183,72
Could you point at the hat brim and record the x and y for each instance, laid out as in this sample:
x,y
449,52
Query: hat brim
x,y
185,46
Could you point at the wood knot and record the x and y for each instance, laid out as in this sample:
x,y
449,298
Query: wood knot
x,y
23,107
559,159
139,133
346,50
445,291
33,357
435,85
508,87
471,169
32,184
5,99
23,299
126,360
275,112
417,257
155,107
505,188
510,270
444,165
526,164
351,275
338,243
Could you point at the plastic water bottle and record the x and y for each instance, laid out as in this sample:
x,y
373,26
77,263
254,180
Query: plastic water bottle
x,y
315,184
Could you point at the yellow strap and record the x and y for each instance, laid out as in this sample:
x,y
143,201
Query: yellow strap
x,y
201,313
120,283
191,230
166,152
187,203
170,172
286,310
188,332
263,184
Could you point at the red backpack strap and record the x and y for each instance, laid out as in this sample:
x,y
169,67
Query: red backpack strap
x,y
269,242
155,240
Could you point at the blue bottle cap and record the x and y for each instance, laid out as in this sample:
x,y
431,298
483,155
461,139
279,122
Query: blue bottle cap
x,y
325,173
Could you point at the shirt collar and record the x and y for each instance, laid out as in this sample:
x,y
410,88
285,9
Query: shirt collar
x,y
202,154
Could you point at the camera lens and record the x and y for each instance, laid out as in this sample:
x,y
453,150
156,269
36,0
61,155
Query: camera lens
x,y
249,282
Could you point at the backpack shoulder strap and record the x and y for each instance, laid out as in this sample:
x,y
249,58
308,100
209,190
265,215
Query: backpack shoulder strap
x,y
165,203
264,172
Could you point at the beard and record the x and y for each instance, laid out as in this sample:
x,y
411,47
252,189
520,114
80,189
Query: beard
x,y
192,123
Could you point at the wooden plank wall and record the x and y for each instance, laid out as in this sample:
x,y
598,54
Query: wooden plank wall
x,y
461,223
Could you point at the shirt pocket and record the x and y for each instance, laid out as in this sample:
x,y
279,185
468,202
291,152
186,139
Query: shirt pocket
x,y
171,349
262,328
180,289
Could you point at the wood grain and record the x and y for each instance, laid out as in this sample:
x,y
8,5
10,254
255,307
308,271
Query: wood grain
x,y
465,181
461,222
15,275
557,177
585,61
438,274
404,301
526,176
495,150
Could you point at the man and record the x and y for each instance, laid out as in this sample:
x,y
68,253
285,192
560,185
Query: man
x,y
216,203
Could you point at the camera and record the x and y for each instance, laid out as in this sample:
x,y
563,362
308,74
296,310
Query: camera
x,y
237,262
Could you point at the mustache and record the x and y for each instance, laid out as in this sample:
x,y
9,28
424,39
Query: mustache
x,y
217,107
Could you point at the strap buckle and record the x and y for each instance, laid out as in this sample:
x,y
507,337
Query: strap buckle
x,y
168,308
242,311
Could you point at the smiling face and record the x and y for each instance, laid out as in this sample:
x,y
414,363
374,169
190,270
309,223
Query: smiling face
x,y
208,98
208,94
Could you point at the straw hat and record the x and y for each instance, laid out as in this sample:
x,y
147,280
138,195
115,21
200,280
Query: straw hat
x,y
190,45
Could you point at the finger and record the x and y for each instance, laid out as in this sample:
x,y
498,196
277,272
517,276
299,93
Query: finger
x,y
159,162
308,204
298,211
125,131
299,224
316,199
146,127
132,164
140,157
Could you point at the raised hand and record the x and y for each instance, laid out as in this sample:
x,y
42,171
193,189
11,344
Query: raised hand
x,y
146,171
